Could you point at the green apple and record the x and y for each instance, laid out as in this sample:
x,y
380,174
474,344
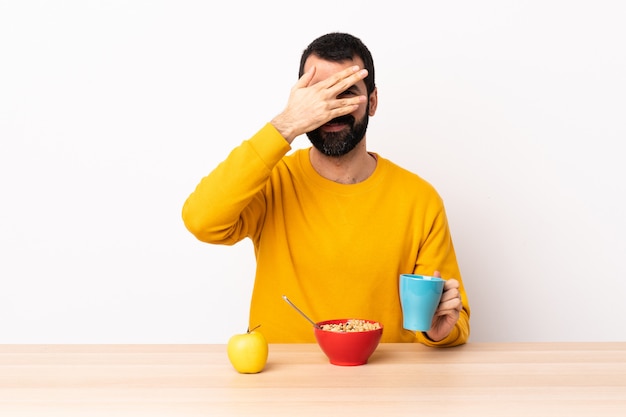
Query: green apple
x,y
247,352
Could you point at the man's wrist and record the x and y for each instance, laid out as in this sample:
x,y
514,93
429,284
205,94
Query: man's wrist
x,y
286,129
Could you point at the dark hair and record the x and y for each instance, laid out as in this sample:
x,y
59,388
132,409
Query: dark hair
x,y
339,47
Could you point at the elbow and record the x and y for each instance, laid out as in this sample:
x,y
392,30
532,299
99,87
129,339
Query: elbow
x,y
207,229
195,229
195,224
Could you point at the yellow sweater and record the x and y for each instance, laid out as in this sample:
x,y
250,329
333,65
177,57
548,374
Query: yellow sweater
x,y
335,250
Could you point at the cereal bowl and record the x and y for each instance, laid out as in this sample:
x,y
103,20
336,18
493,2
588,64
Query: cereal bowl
x,y
348,342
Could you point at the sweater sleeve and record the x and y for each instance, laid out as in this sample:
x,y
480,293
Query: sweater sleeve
x,y
458,336
222,207
438,254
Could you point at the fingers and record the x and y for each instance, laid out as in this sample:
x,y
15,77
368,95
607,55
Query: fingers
x,y
453,308
336,84
311,103
450,284
343,80
341,107
305,79
451,299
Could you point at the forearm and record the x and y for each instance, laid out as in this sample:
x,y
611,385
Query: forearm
x,y
213,211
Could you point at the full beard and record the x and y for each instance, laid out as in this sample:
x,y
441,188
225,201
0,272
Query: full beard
x,y
337,144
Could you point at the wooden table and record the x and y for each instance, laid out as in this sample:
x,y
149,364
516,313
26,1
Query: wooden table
x,y
477,379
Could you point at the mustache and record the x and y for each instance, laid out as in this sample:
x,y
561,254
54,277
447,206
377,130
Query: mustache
x,y
347,119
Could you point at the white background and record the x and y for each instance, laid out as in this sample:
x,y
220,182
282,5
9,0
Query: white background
x,y
112,111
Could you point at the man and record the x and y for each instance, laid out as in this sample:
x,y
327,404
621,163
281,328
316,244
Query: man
x,y
334,225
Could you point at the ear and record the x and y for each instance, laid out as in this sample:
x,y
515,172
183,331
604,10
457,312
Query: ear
x,y
373,102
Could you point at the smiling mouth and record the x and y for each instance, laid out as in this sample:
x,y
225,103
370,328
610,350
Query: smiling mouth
x,y
334,127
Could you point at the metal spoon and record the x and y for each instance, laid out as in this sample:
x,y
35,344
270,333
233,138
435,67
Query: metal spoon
x,y
301,313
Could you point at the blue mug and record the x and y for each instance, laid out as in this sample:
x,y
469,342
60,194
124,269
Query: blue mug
x,y
419,297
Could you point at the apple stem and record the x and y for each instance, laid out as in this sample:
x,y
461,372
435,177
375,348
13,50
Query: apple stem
x,y
253,329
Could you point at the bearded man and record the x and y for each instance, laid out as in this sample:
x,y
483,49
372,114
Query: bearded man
x,y
333,225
